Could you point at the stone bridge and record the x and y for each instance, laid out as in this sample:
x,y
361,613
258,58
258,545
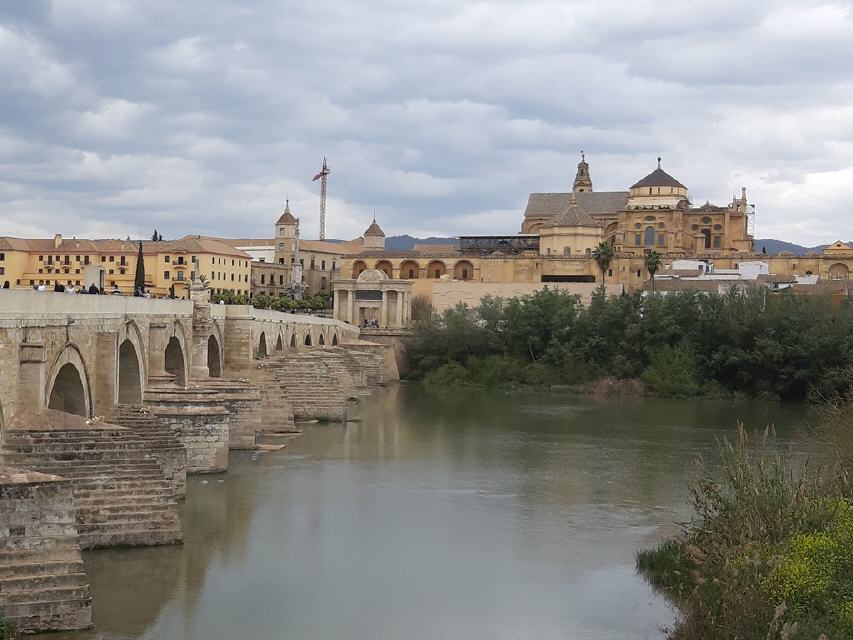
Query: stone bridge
x,y
84,354
107,402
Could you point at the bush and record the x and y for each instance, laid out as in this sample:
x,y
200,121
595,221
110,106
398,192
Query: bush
x,y
672,372
765,531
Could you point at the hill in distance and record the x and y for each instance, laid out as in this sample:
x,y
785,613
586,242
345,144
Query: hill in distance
x,y
405,243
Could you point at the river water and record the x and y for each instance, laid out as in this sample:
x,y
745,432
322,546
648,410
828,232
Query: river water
x,y
466,514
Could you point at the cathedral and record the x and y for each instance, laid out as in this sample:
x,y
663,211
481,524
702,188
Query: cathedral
x,y
655,213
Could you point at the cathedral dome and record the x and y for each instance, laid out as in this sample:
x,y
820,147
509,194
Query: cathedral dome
x,y
658,178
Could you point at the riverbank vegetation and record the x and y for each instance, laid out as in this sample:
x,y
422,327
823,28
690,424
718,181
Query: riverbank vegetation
x,y
683,344
769,551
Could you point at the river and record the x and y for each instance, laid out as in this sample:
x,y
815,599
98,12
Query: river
x,y
460,514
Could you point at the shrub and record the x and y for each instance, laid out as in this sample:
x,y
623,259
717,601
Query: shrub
x,y
447,374
672,372
765,530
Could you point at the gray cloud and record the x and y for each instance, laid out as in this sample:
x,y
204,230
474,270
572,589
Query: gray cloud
x,y
122,115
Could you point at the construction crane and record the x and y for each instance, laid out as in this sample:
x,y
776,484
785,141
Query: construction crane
x,y
322,177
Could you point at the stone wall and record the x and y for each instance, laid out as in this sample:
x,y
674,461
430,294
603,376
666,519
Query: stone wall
x,y
44,583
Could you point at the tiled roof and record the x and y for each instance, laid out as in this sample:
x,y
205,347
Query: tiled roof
x,y
658,178
426,247
187,244
286,217
572,217
549,205
374,230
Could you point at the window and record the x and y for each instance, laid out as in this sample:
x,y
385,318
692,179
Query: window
x,y
610,273
41,258
411,274
333,265
103,258
121,271
112,258
717,240
638,273
263,279
167,258
112,271
649,236
85,259
281,246
281,261
661,240
193,260
567,251
232,277
281,280
464,274
166,275
312,263
323,265
77,258
638,239
179,275
232,263
2,271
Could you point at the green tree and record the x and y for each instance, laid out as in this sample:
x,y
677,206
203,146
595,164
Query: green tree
x,y
603,255
139,279
653,261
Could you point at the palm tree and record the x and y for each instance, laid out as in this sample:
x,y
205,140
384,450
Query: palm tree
x,y
653,261
603,255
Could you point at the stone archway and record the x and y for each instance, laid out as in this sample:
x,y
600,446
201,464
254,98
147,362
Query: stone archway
x,y
335,340
307,339
410,270
67,393
385,267
279,345
839,271
436,269
262,345
321,341
358,267
293,340
129,375
463,270
214,357
68,387
175,362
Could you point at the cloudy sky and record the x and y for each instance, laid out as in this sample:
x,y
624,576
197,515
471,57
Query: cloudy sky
x,y
118,116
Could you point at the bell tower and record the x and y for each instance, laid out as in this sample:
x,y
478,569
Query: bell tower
x,y
582,180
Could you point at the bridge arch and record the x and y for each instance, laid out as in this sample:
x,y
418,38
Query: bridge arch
x,y
262,346
335,339
214,357
131,361
293,340
176,354
308,339
321,341
279,343
68,387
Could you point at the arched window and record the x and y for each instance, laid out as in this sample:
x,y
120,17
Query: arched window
x,y
649,237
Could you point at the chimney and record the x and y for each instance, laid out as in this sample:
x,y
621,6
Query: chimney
x,y
57,240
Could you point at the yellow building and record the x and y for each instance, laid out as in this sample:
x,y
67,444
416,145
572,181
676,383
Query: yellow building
x,y
111,264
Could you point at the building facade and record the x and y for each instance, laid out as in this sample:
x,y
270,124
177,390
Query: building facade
x,y
111,264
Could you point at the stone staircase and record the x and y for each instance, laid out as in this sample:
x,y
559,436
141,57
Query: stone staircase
x,y
121,494
43,584
162,443
320,383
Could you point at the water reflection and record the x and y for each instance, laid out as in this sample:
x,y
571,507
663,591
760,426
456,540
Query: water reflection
x,y
455,514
